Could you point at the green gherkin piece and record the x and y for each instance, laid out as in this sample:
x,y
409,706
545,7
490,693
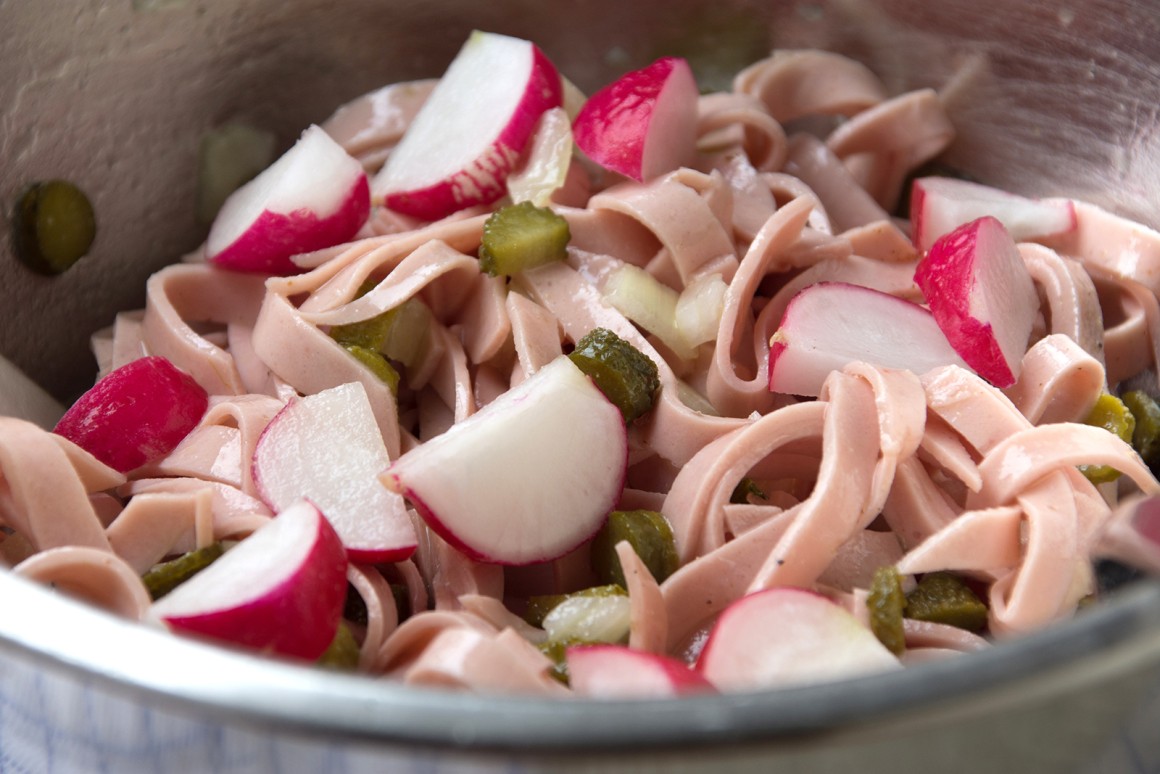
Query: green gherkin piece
x,y
343,651
53,226
1146,436
378,364
370,334
886,602
409,332
400,333
941,597
625,375
540,606
651,538
746,487
165,577
1111,414
557,651
520,237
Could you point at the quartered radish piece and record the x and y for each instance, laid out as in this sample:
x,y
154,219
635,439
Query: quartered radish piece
x,y
787,636
644,124
326,447
618,672
529,477
316,195
136,414
829,325
281,590
470,132
939,205
982,296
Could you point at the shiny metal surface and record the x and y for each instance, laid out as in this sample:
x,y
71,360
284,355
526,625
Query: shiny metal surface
x,y
1048,98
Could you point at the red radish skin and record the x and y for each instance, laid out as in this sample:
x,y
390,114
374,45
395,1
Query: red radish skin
x,y
643,124
526,479
829,325
470,132
939,205
136,414
619,672
982,296
326,447
315,196
788,636
281,590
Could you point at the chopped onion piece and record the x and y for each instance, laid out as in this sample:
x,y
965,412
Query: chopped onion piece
x,y
590,619
652,305
549,156
699,309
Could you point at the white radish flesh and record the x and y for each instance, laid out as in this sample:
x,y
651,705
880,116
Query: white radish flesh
x,y
327,447
281,590
470,132
786,637
832,324
529,477
314,196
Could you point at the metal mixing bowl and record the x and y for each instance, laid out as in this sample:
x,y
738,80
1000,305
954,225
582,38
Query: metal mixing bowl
x,y
1048,98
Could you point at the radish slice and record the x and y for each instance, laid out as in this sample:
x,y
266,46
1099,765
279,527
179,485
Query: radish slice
x,y
982,296
314,196
617,672
135,414
280,590
644,124
939,205
529,477
829,325
471,130
786,636
326,447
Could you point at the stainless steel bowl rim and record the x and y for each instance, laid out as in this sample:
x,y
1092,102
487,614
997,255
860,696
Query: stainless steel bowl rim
x,y
185,674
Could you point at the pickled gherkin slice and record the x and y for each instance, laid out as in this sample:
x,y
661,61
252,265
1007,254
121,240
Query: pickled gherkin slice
x,y
343,651
165,577
1146,436
745,488
886,603
400,333
53,226
625,375
941,597
370,334
557,652
378,365
408,333
520,237
651,538
1111,414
